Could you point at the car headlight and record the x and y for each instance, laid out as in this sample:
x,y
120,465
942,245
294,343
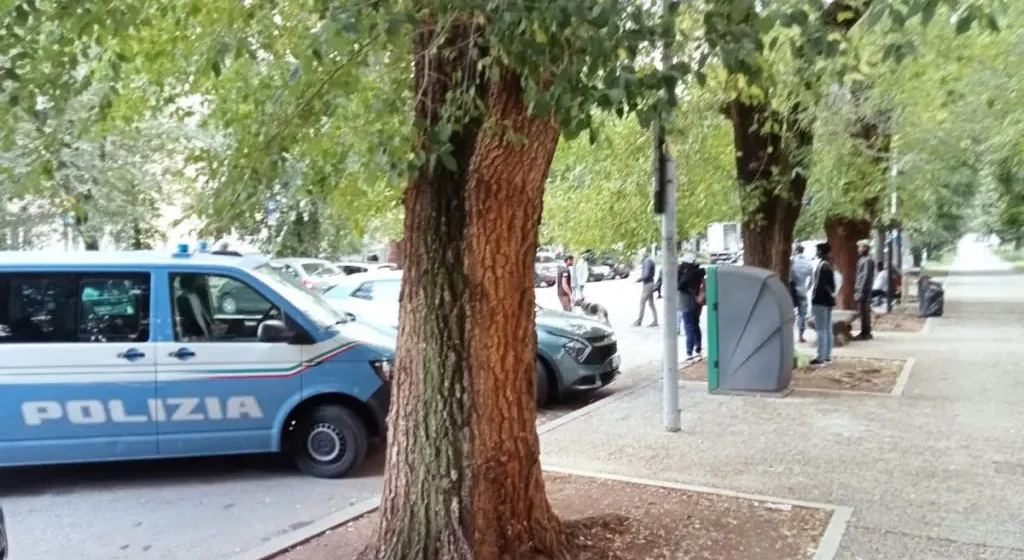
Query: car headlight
x,y
385,368
577,349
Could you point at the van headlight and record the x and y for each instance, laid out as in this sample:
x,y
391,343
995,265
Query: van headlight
x,y
577,349
385,368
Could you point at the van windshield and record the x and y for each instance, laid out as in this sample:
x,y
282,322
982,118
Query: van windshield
x,y
309,303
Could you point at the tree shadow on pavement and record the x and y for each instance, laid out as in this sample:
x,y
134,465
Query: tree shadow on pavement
x,y
68,479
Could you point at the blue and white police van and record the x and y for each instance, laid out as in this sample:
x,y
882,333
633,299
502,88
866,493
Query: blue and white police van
x,y
127,355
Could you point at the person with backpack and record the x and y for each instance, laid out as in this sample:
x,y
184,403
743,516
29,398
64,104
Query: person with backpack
x,y
692,297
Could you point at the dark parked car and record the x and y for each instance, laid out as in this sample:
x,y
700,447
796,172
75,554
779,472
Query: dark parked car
x,y
3,536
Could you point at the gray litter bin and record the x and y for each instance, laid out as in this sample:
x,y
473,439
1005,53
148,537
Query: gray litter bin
x,y
750,330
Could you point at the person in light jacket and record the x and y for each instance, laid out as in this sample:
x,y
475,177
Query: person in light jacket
x,y
580,275
823,299
800,275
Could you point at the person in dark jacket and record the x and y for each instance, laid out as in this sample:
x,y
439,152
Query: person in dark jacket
x,y
862,288
646,281
823,299
691,276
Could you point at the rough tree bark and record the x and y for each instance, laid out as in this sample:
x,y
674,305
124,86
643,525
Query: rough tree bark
x,y
463,478
843,234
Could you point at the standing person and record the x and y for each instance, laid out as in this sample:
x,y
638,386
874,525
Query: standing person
x,y
646,281
799,274
823,299
563,284
691,286
580,275
862,288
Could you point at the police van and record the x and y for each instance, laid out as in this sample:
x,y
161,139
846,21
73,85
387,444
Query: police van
x,y
127,355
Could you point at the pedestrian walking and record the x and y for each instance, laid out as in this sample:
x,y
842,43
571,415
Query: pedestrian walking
x,y
563,283
862,286
823,299
800,274
692,297
647,286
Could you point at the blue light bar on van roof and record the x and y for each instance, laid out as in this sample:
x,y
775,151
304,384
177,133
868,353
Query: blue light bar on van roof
x,y
203,246
182,250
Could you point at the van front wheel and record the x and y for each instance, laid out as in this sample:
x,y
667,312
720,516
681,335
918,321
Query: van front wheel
x,y
329,441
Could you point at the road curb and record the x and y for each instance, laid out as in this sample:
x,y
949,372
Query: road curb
x,y
291,539
901,381
828,545
576,414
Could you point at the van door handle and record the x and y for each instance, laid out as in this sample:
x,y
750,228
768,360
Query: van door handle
x,y
182,354
131,354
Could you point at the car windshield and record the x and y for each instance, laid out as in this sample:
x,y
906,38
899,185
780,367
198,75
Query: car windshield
x,y
310,303
545,259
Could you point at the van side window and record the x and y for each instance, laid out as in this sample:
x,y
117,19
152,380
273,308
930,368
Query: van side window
x,y
113,308
74,307
216,308
37,308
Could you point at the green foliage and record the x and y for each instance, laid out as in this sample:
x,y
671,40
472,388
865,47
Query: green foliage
x,y
599,195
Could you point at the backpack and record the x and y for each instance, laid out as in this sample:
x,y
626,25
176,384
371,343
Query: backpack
x,y
702,295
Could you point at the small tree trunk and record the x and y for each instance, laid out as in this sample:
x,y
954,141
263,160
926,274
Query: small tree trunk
x,y
843,234
463,478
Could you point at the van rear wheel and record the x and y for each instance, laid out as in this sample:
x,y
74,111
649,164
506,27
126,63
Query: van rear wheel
x,y
329,441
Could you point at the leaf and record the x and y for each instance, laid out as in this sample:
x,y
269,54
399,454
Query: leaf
x,y
449,162
928,11
964,22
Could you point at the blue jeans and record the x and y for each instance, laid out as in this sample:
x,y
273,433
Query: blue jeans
x,y
691,326
801,315
823,326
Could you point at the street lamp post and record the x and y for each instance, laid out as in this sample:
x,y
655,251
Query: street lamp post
x,y
665,204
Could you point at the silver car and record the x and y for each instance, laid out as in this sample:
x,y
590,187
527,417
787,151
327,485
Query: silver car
x,y
573,353
314,274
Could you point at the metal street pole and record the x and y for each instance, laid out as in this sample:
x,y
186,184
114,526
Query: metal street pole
x,y
665,201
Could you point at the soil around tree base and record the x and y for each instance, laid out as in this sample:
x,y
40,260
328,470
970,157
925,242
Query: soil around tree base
x,y
902,319
614,520
874,375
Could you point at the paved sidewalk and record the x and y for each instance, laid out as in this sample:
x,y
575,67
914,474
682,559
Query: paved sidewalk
x,y
937,474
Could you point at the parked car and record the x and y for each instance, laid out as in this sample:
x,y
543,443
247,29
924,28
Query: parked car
x,y
351,267
597,270
619,268
314,274
3,536
545,269
574,353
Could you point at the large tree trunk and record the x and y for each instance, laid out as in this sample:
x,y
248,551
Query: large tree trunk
x,y
843,234
771,192
463,477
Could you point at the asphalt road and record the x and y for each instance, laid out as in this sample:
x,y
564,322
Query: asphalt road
x,y
215,508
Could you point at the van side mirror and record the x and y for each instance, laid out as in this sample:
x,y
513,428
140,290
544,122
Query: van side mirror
x,y
273,330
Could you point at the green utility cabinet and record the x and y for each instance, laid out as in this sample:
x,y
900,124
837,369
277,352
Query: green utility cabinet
x,y
750,330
